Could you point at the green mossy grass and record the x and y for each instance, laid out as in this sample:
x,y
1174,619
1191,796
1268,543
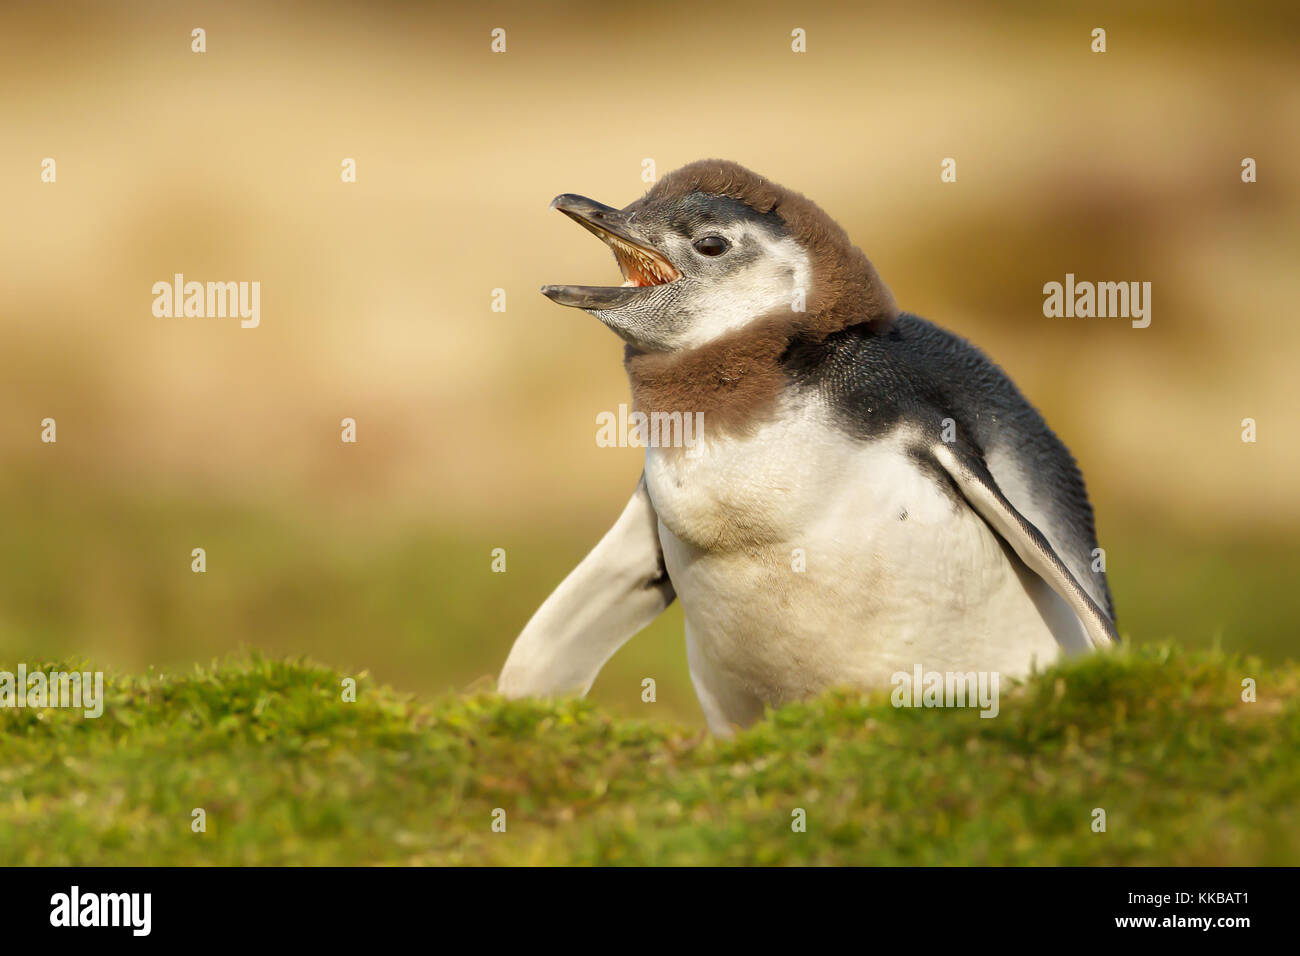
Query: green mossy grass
x,y
289,773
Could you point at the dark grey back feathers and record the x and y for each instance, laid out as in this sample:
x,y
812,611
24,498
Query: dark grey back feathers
x,y
912,373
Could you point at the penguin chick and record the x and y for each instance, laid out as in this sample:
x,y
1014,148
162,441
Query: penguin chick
x,y
868,492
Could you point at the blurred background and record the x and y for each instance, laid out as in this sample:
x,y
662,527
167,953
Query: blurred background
x,y
476,429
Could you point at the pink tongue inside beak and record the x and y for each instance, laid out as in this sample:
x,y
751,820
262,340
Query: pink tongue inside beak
x,y
635,277
640,268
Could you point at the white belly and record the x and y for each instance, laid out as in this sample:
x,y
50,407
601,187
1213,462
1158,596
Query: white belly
x,y
877,593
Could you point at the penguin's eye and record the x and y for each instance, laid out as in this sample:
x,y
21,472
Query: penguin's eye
x,y
711,246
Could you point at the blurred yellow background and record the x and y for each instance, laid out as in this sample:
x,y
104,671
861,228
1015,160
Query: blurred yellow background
x,y
476,428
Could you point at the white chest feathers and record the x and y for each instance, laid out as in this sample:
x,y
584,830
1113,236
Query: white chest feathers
x,y
793,477
805,558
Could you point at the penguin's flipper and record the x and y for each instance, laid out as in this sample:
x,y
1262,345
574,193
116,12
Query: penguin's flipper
x,y
617,589
981,491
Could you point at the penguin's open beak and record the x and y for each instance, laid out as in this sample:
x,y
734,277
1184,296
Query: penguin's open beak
x,y
642,265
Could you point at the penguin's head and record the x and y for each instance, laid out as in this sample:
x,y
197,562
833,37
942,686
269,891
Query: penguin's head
x,y
707,251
